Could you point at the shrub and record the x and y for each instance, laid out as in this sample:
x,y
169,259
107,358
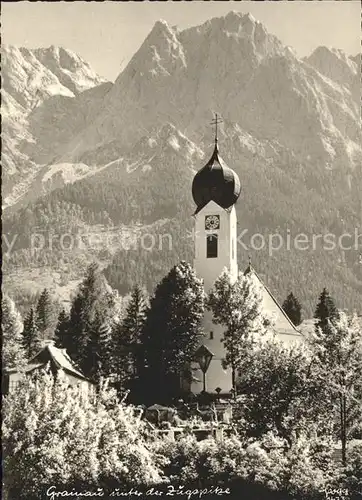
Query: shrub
x,y
352,473
54,434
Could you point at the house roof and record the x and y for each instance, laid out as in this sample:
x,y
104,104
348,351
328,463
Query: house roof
x,y
283,326
157,407
58,358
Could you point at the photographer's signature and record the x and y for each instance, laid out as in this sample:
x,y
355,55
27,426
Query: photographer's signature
x,y
336,493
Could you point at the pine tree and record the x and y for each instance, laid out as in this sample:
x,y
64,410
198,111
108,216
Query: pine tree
x,y
238,307
92,308
293,309
45,314
77,330
325,310
91,362
100,349
172,330
61,332
127,338
82,314
11,326
31,336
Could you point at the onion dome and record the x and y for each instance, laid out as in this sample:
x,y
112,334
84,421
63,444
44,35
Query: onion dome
x,y
216,182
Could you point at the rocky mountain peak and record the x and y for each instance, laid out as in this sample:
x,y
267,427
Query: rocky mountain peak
x,y
32,75
335,64
26,79
356,59
70,69
241,32
160,54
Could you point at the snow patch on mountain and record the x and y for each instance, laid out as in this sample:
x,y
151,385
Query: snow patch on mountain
x,y
174,138
173,142
68,172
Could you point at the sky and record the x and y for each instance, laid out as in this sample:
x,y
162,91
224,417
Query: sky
x,y
107,34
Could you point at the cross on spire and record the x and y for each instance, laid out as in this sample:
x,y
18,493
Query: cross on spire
x,y
215,122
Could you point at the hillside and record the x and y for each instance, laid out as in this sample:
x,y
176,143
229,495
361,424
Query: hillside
x,y
123,155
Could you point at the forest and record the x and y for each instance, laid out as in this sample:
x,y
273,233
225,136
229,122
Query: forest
x,y
291,404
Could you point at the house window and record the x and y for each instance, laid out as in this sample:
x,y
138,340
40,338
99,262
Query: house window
x,y
211,335
13,385
211,246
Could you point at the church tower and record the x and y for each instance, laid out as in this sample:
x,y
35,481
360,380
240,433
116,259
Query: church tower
x,y
215,190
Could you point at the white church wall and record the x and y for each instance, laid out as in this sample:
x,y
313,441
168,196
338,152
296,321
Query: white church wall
x,y
210,269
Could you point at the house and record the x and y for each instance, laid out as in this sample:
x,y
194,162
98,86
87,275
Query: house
x,y
49,357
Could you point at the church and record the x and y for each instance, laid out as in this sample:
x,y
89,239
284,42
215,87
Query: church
x,y
215,190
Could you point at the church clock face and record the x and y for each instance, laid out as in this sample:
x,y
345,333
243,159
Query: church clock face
x,y
212,222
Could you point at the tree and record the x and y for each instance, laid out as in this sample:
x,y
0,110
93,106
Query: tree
x,y
100,349
78,324
325,310
338,349
92,306
237,305
61,332
11,326
31,336
45,314
54,434
105,350
127,334
353,471
283,389
172,330
293,309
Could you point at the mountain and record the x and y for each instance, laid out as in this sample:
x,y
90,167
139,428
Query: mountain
x,y
118,159
356,59
338,67
181,76
30,76
53,77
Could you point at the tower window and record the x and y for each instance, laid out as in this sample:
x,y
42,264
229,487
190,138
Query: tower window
x,y
211,335
211,246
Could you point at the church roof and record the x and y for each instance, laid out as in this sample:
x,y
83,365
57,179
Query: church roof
x,y
283,326
217,182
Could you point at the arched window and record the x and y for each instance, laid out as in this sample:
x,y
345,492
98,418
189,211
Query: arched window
x,y
211,246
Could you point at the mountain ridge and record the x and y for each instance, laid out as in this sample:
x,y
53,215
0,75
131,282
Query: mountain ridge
x,y
125,152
